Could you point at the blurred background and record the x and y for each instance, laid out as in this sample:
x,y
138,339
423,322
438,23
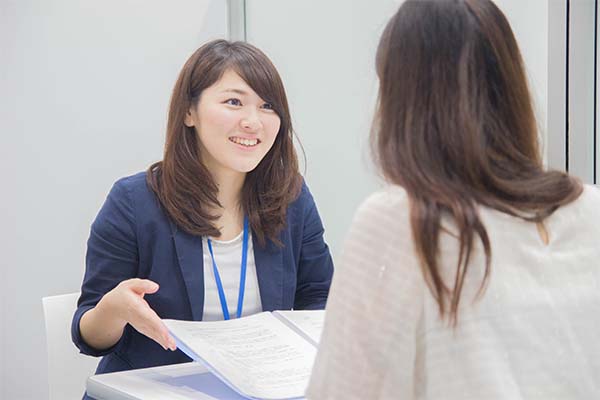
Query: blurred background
x,y
84,91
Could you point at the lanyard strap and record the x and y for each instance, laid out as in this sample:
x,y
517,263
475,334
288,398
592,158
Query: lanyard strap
x,y
242,275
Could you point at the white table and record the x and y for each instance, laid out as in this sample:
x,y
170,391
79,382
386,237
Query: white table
x,y
174,382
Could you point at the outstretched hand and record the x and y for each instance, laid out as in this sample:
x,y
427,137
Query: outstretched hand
x,y
126,302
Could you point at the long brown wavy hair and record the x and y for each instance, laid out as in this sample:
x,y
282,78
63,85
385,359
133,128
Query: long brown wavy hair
x,y
455,127
183,184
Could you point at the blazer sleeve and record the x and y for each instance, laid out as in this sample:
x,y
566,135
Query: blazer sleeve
x,y
112,256
315,267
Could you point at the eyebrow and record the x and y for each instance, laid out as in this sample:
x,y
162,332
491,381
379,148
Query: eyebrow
x,y
237,91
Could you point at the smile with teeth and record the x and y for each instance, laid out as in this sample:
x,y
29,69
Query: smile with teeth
x,y
245,142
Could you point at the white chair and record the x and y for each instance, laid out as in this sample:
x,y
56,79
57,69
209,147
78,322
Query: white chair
x,y
68,370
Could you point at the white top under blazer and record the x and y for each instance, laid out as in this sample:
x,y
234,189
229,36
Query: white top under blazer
x,y
228,257
535,333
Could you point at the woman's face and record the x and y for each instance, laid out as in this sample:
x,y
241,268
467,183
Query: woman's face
x,y
235,126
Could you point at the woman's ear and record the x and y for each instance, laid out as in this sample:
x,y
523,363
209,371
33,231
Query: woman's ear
x,y
189,120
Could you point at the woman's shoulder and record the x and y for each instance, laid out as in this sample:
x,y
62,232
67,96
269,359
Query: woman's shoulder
x,y
585,209
303,199
132,196
383,214
591,195
133,186
132,182
134,193
391,201
588,204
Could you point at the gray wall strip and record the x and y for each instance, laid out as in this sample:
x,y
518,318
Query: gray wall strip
x,y
556,146
581,89
237,20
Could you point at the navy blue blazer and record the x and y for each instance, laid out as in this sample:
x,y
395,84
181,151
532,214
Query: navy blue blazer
x,y
132,237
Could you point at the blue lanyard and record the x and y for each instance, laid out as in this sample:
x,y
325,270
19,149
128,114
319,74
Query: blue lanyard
x,y
242,275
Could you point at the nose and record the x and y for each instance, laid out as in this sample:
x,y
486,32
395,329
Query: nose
x,y
251,122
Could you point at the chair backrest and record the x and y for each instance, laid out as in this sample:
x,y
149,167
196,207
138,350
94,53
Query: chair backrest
x,y
68,369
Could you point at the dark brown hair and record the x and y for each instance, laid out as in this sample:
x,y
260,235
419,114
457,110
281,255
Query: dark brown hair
x,y
181,181
455,127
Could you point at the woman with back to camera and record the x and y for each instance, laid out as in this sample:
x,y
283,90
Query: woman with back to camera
x,y
475,274
224,214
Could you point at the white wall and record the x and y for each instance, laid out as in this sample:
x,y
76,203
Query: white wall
x,y
325,52
325,55
529,21
85,87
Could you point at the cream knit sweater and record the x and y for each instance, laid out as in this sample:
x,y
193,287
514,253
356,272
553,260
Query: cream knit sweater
x,y
535,333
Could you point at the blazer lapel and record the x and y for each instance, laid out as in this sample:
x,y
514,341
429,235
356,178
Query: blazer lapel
x,y
269,271
191,262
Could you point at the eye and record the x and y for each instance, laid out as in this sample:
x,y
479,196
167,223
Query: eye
x,y
233,102
267,106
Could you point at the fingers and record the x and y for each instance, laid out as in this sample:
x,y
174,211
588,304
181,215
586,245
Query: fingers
x,y
171,345
142,286
154,328
143,318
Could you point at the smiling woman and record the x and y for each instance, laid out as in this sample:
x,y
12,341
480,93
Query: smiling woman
x,y
228,92
227,189
235,126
